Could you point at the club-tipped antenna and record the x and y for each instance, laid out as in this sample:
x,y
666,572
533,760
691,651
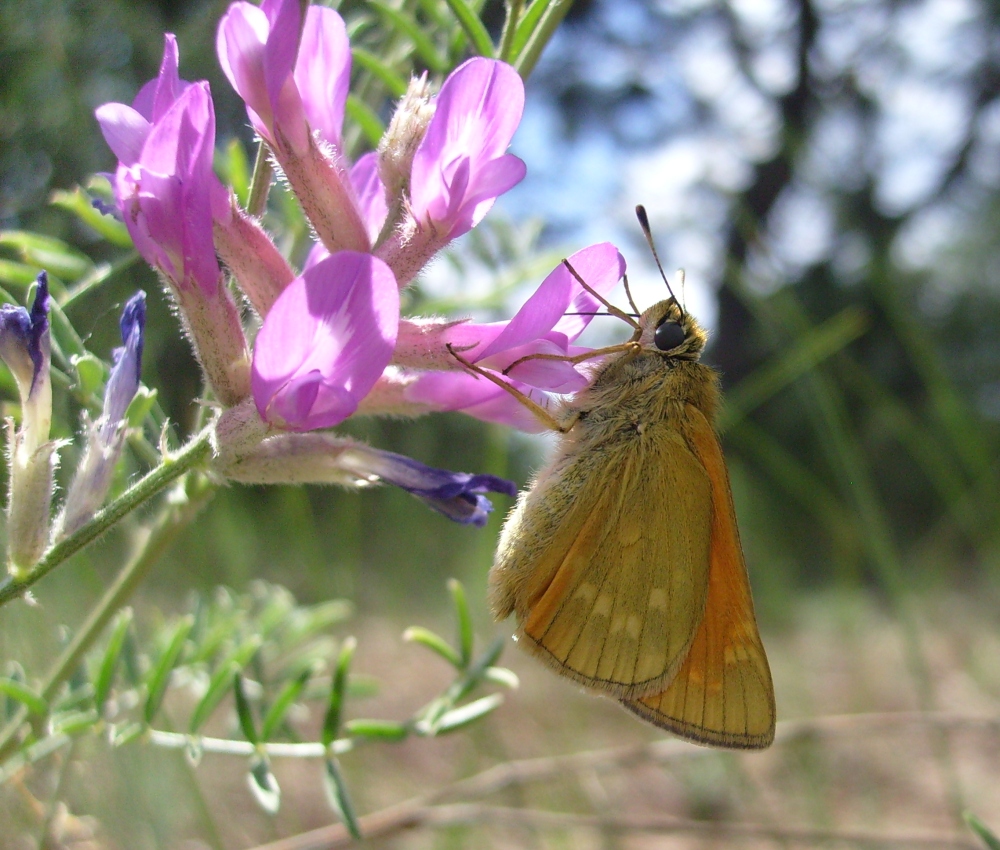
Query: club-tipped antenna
x,y
640,213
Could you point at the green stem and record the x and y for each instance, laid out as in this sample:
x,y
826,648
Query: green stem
x,y
260,182
509,28
546,28
169,470
172,520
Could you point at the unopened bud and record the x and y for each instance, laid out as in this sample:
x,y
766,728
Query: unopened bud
x,y
402,138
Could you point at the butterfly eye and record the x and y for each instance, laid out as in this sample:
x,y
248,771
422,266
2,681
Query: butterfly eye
x,y
668,336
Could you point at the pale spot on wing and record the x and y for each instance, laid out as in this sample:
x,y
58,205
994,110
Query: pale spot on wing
x,y
618,622
586,591
633,625
602,605
658,599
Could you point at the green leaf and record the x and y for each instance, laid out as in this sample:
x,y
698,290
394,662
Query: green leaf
x,y
89,373
539,36
395,84
411,29
17,274
435,643
233,166
989,838
279,708
339,799
264,786
128,732
465,633
243,710
462,716
502,676
112,653
218,687
384,730
338,687
80,204
363,115
139,408
525,27
479,38
159,678
24,695
73,722
55,256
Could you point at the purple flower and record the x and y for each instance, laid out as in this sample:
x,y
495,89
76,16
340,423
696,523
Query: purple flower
x,y
461,166
541,326
295,85
325,342
123,382
291,86
457,495
105,438
171,201
164,184
25,347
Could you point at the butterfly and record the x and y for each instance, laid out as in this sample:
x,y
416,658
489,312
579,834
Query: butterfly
x,y
622,561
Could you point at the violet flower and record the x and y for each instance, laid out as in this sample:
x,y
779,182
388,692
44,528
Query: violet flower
x,y
170,198
460,166
541,326
457,495
25,347
325,342
106,437
294,80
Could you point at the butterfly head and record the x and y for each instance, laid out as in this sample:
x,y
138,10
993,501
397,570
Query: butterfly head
x,y
671,331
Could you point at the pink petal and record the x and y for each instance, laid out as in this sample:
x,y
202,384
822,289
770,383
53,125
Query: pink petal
x,y
476,396
370,193
323,72
240,43
601,266
325,342
124,129
476,114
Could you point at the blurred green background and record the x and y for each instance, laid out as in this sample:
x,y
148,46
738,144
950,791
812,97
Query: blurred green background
x,y
828,173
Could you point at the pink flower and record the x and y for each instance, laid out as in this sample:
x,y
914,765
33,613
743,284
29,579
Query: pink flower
x,y
325,342
461,166
164,183
541,326
291,86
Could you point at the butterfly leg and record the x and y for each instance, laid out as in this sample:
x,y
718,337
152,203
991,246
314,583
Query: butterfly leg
x,y
540,412
631,346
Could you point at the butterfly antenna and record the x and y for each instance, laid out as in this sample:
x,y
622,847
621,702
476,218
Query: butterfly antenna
x,y
611,308
640,213
628,294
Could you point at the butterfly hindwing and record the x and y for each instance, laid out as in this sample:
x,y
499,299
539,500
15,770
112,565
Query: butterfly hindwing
x,y
722,694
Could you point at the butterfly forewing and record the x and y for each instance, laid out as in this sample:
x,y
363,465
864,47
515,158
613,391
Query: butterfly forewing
x,y
617,583
722,694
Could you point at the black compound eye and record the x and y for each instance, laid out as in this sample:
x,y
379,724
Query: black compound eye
x,y
668,335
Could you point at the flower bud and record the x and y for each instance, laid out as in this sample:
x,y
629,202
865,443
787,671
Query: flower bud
x,y
106,436
403,136
25,348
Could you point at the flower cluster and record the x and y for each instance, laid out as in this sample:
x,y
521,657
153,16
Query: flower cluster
x,y
331,341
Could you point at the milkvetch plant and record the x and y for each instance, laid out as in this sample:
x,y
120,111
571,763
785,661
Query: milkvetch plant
x,y
287,354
